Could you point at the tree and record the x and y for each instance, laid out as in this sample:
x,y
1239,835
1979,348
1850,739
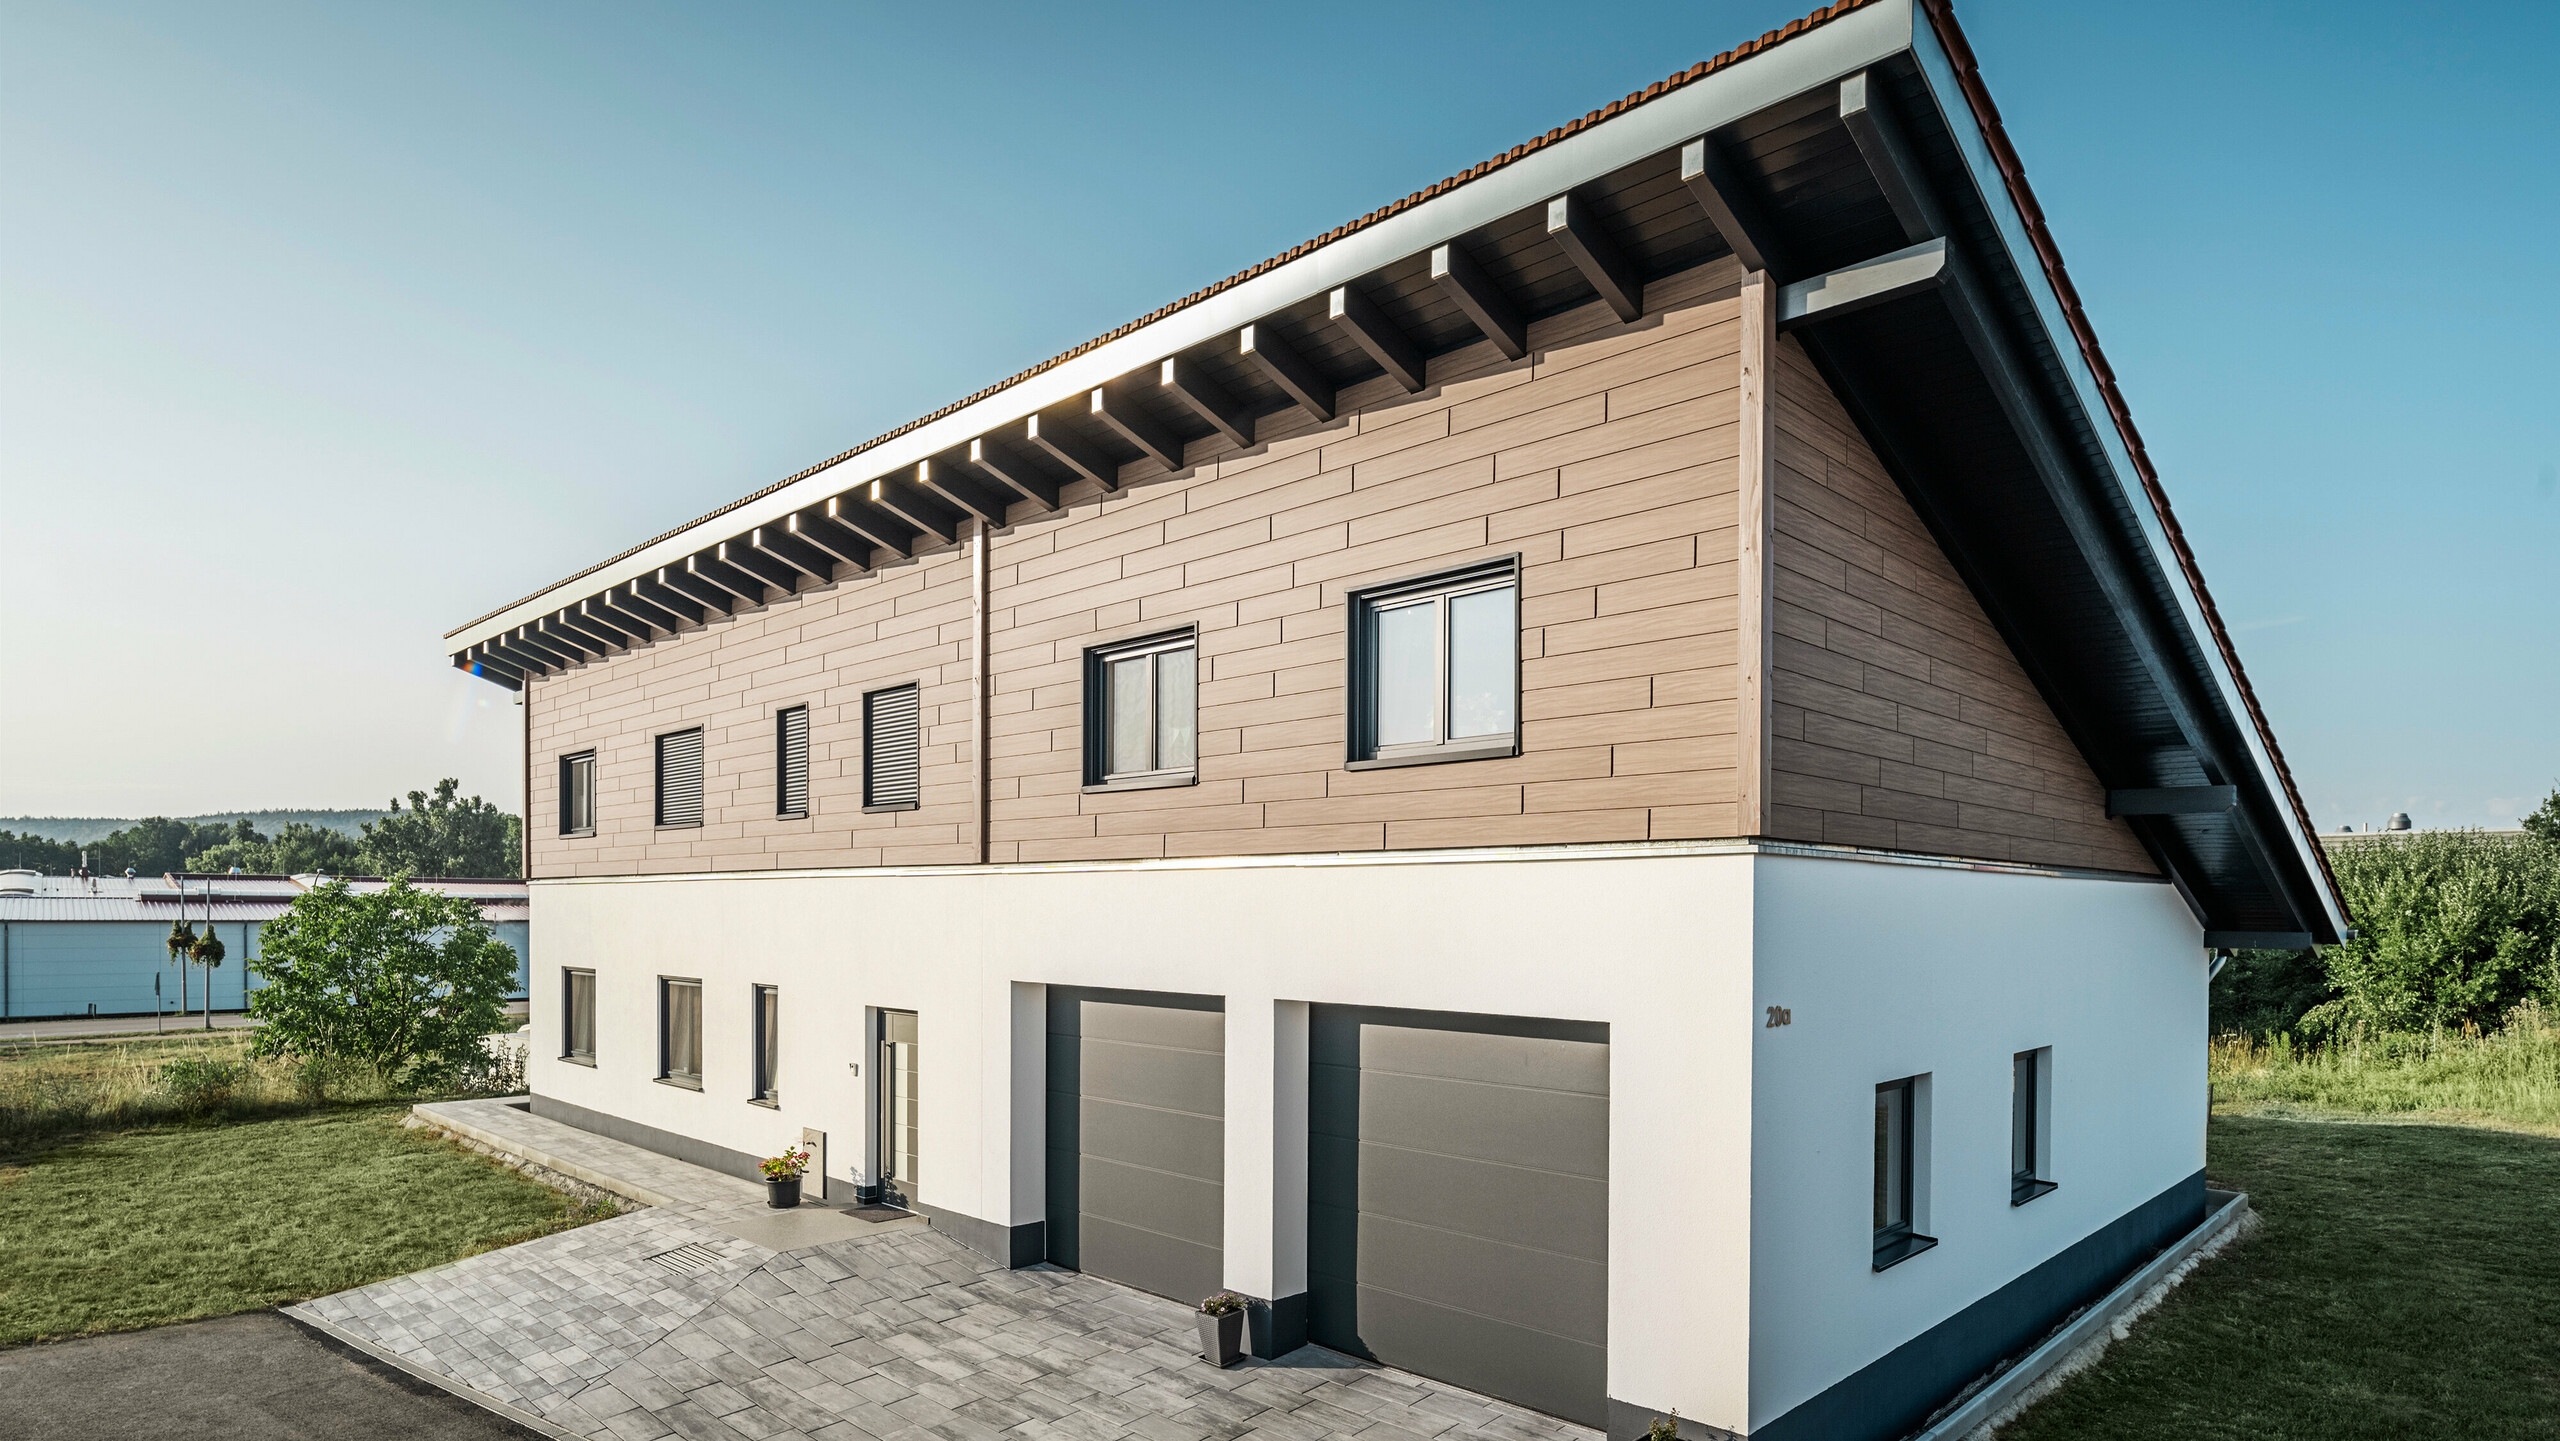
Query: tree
x,y
37,853
2452,928
440,835
403,980
298,849
182,943
2544,824
207,952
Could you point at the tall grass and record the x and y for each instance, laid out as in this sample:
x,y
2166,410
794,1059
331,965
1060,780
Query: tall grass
x,y
53,1090
2510,1075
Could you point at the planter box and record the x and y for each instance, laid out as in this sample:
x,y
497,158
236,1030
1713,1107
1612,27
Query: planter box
x,y
1222,1338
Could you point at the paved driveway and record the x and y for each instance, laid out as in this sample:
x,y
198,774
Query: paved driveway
x,y
899,1336
241,1378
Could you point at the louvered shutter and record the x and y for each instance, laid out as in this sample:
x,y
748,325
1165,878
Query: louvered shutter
x,y
892,772
791,763
680,779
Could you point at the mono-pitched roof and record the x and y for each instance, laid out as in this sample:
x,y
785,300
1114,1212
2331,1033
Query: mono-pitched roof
x,y
1764,152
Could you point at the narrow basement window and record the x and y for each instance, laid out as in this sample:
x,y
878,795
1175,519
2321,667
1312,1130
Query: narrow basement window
x,y
768,1012
1898,1165
680,1032
2030,1125
578,1016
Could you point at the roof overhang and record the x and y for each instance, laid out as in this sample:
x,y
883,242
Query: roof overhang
x,y
1856,157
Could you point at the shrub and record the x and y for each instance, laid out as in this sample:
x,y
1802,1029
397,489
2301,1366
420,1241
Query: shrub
x,y
2454,928
401,981
196,1086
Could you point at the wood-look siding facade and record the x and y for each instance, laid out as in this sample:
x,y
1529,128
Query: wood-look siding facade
x,y
1609,461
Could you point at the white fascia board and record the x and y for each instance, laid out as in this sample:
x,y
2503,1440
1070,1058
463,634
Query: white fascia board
x,y
1987,181
1840,48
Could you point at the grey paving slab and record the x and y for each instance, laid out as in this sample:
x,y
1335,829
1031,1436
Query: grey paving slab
x,y
894,1333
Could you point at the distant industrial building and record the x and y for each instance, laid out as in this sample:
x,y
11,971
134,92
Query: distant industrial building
x,y
98,945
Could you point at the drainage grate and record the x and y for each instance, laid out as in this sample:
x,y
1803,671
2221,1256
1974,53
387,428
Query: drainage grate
x,y
687,1259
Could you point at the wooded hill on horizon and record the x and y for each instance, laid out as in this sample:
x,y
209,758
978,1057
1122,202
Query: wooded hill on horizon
x,y
79,830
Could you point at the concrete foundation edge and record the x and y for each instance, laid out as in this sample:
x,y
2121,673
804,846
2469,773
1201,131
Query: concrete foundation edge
x,y
650,1138
331,1335
2228,1210
1901,1392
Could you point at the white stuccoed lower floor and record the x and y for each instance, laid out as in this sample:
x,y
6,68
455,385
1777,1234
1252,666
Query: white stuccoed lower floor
x,y
773,1326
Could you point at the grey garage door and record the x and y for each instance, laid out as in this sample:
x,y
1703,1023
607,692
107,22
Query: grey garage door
x,y
1458,1200
1137,1138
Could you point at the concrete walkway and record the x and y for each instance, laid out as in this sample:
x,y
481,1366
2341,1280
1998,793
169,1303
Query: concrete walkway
x,y
673,1321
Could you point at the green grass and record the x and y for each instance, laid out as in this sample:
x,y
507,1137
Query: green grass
x,y
2405,1282
60,1088
2510,1078
145,1227
2403,1285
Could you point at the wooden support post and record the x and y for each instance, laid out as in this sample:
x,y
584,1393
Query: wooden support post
x,y
1753,601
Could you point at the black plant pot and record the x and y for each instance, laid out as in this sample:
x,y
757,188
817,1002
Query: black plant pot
x,y
1222,1338
782,1195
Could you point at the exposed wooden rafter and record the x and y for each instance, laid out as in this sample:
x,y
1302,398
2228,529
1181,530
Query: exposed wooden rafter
x,y
1360,318
1281,364
1184,380
1464,282
1572,226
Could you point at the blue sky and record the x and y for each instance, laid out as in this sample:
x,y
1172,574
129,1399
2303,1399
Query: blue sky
x,y
324,329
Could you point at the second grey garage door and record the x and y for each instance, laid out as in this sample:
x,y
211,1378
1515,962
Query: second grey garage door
x,y
1458,1200
1137,1138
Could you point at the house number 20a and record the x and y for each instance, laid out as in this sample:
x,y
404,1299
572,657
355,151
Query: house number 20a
x,y
1779,1016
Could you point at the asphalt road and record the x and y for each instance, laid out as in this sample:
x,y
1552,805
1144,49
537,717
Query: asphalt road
x,y
237,1378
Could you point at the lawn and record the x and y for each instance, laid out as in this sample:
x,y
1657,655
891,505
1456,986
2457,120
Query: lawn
x,y
144,1227
2406,1280
128,1201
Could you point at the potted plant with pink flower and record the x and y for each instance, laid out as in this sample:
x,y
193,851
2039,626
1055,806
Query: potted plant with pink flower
x,y
782,1179
1222,1329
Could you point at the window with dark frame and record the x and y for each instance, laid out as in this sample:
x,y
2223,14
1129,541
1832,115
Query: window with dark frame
x,y
680,1032
1897,1238
2030,1124
578,794
680,778
768,1012
791,762
1141,712
892,749
578,1016
1435,668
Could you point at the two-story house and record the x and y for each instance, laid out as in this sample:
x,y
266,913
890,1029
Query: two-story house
x,y
1611,783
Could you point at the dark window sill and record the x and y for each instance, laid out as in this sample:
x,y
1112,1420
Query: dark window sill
x,y
681,1083
1890,1254
908,806
1143,783
587,1061
1501,749
2021,1192
791,815
586,835
770,1103
687,826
